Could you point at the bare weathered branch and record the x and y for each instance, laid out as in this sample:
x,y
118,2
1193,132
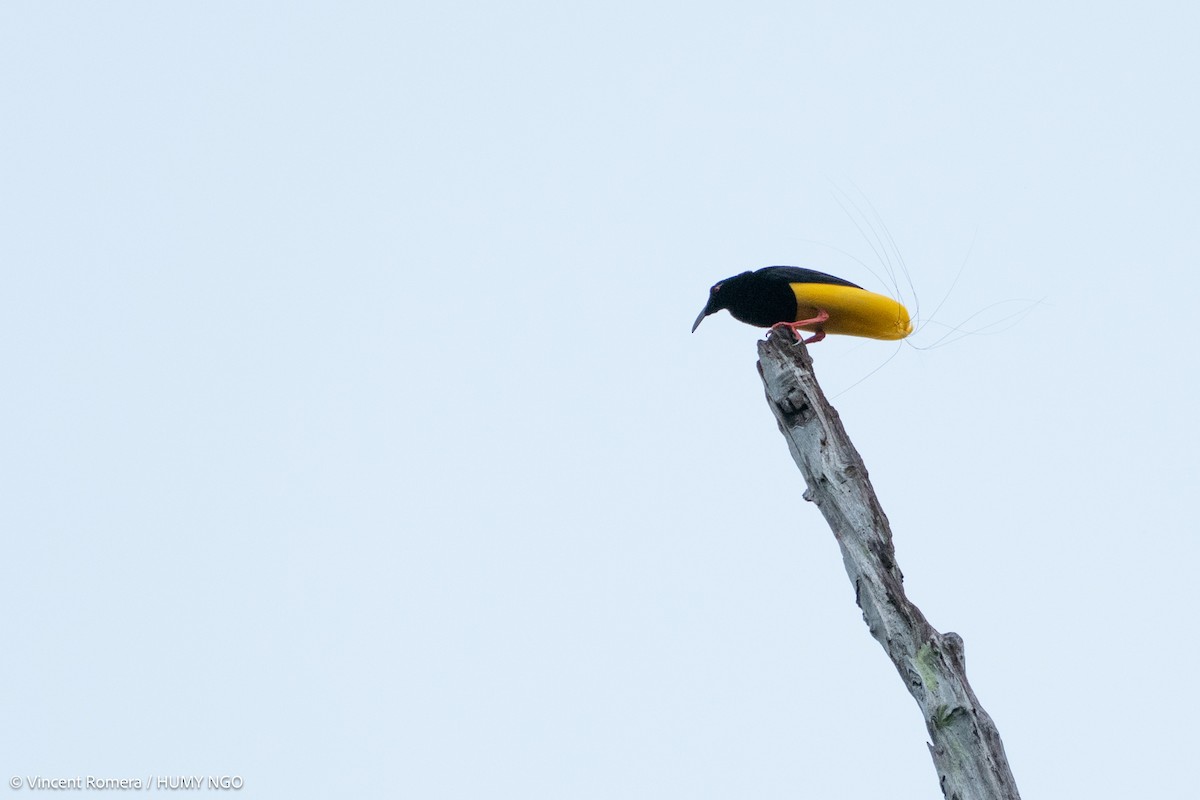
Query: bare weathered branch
x,y
966,746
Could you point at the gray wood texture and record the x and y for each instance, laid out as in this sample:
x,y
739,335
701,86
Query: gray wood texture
x,y
965,745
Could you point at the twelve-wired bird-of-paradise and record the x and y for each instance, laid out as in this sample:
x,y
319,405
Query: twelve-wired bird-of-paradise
x,y
804,299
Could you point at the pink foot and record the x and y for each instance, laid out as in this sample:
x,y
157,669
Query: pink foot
x,y
794,327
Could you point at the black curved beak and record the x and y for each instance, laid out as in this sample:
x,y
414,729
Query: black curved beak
x,y
700,318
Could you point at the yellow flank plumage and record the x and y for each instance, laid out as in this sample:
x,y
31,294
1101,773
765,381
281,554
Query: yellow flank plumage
x,y
852,311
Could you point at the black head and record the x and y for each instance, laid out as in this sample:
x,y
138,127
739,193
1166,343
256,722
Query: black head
x,y
754,297
722,295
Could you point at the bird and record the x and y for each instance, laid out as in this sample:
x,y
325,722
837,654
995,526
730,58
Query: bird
x,y
804,299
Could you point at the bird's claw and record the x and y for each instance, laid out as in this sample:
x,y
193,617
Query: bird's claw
x,y
794,327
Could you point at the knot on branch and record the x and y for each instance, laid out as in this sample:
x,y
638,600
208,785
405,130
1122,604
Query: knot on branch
x,y
795,408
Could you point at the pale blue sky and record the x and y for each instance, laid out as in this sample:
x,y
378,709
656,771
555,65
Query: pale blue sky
x,y
353,439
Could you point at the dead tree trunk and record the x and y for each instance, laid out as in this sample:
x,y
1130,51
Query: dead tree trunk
x,y
966,746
